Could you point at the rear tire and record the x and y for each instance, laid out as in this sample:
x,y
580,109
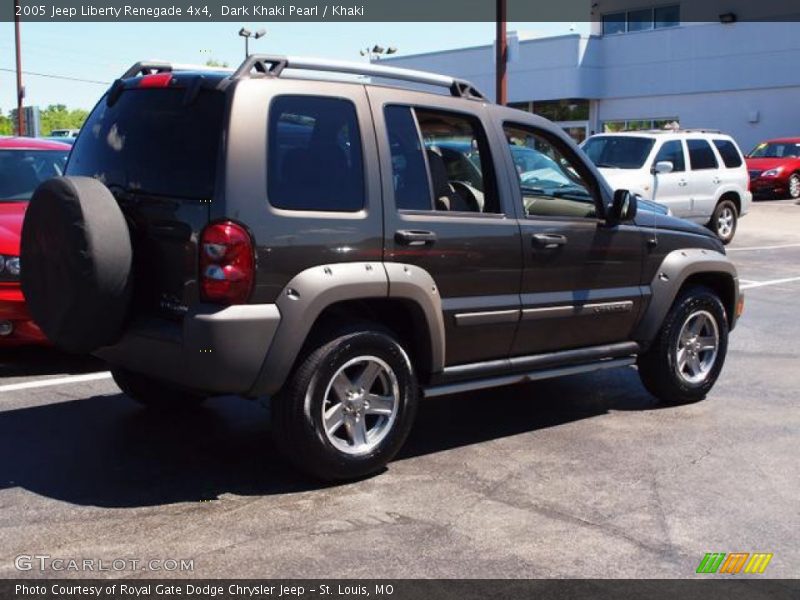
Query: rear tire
x,y
346,410
724,221
686,358
154,394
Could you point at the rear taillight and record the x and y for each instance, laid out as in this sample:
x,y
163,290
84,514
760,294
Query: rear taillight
x,y
227,265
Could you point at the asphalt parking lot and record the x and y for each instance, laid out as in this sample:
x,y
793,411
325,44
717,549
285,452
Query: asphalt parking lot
x,y
576,477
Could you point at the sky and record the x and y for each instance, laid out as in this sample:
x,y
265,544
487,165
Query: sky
x,y
100,52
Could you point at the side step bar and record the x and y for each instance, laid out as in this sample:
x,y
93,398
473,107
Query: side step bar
x,y
479,384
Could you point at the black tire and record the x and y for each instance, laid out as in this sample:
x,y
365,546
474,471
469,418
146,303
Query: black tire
x,y
793,186
76,256
658,367
297,411
153,393
724,221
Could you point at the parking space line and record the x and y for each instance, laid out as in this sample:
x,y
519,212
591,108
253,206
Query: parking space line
x,y
28,385
755,284
775,247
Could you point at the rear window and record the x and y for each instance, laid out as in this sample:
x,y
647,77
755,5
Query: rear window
x,y
314,157
730,155
21,171
701,156
618,152
150,142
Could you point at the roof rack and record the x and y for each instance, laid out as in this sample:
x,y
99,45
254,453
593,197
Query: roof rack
x,y
670,131
274,65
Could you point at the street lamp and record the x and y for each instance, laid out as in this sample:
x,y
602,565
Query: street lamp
x,y
247,34
376,51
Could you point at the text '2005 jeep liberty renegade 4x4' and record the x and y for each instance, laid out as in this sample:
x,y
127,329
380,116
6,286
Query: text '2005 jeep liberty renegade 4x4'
x,y
347,248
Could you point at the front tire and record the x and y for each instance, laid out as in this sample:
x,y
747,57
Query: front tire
x,y
347,408
794,186
724,221
154,394
687,356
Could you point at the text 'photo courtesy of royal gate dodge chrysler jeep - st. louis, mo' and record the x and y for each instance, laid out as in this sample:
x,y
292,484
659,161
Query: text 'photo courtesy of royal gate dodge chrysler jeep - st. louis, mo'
x,y
347,248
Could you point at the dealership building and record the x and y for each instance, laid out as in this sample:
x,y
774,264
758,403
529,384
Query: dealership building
x,y
643,67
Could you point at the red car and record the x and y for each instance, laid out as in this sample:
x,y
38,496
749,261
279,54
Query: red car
x,y
24,164
774,168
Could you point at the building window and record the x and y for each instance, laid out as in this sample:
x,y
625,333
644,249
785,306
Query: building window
x,y
640,124
643,19
568,109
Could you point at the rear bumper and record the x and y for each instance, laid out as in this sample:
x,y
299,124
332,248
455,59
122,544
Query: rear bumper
x,y
213,350
13,309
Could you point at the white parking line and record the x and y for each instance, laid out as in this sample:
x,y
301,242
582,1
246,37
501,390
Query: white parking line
x,y
28,385
755,284
776,247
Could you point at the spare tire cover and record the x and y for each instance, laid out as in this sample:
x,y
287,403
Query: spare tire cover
x,y
76,259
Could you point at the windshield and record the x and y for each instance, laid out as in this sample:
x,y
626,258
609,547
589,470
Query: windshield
x,y
618,151
151,142
776,150
21,171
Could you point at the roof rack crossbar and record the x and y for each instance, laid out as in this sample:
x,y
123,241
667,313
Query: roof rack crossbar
x,y
147,67
273,65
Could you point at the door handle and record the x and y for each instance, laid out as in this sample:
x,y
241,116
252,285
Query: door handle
x,y
716,180
548,241
415,237
683,183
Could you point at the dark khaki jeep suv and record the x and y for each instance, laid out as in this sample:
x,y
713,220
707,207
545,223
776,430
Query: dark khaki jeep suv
x,y
345,248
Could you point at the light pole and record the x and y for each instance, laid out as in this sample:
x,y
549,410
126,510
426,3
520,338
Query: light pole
x,y
20,89
376,52
501,57
247,34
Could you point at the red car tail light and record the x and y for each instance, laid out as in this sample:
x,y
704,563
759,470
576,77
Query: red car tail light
x,y
227,263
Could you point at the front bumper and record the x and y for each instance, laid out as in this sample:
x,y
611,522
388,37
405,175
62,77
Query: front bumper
x,y
769,186
214,350
13,309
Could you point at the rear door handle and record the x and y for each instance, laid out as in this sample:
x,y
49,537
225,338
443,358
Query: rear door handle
x,y
683,183
716,180
548,241
415,237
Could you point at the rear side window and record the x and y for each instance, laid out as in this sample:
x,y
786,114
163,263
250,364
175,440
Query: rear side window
x,y
701,156
409,173
314,156
672,152
730,155
150,142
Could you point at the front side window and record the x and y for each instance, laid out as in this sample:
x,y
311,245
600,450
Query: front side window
x,y
701,156
618,151
549,182
672,152
314,155
729,153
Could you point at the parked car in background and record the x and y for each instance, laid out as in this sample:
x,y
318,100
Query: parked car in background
x,y
64,133
774,168
702,176
24,164
63,140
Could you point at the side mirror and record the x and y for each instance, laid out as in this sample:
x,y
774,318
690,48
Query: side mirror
x,y
624,206
663,167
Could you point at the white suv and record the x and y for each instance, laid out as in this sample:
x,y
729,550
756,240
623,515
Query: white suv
x,y
699,175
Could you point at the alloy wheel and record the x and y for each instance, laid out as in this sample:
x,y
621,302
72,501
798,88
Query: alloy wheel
x,y
360,405
697,347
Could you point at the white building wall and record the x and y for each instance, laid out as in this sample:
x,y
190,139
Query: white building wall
x,y
777,111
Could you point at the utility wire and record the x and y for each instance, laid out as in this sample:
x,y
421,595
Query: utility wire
x,y
57,76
